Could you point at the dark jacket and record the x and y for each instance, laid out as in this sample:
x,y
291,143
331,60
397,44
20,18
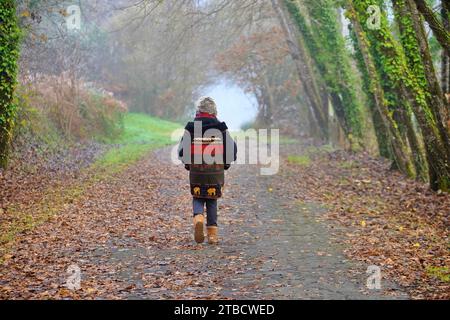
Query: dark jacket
x,y
207,179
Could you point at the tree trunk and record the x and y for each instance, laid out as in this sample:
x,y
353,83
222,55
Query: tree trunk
x,y
438,28
436,97
415,42
445,63
270,103
405,80
305,72
399,149
418,153
383,138
326,46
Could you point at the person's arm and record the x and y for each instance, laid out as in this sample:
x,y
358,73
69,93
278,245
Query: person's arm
x,y
181,153
230,144
180,150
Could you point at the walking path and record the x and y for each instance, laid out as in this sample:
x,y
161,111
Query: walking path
x,y
132,238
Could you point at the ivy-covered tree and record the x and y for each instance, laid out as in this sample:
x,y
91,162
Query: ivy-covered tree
x,y
387,129
9,55
418,56
445,56
326,45
312,86
405,81
439,28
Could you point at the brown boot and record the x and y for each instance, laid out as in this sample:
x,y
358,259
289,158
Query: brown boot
x,y
212,235
199,234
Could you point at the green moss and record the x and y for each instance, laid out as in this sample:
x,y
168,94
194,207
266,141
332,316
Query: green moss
x,y
326,148
347,164
441,273
304,160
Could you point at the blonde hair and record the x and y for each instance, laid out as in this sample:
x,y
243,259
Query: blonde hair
x,y
207,105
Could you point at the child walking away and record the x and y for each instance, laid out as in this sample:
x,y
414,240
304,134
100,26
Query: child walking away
x,y
206,150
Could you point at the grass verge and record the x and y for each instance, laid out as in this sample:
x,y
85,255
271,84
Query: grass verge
x,y
141,134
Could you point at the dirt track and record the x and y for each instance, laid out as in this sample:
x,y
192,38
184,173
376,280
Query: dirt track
x,y
131,237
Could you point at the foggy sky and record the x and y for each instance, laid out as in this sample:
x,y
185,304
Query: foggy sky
x,y
235,107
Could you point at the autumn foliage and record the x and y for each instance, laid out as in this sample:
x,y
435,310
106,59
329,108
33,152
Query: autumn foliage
x,y
77,109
